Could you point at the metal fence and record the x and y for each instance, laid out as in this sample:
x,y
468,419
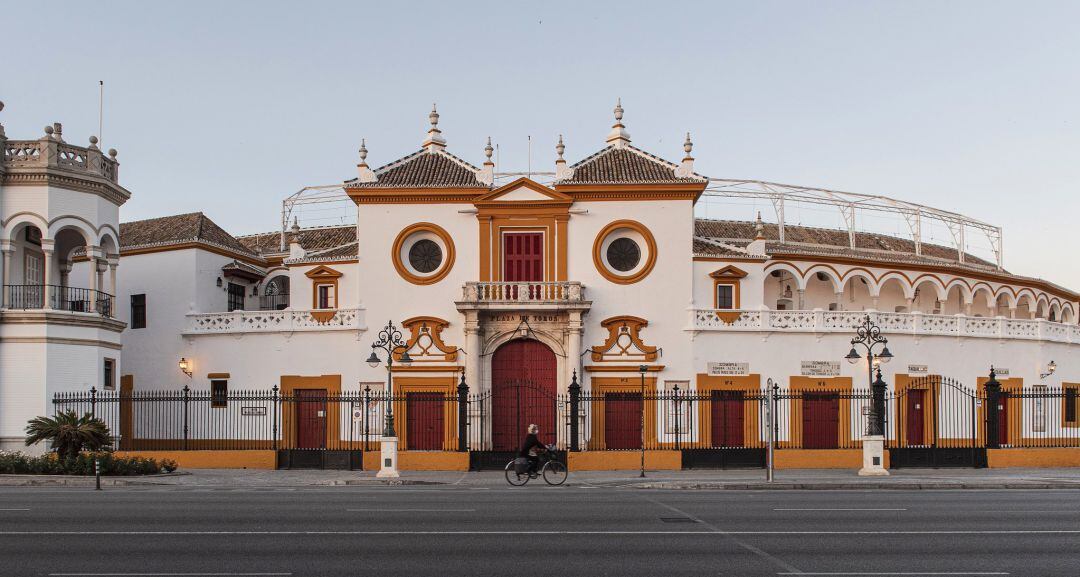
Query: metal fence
x,y
926,414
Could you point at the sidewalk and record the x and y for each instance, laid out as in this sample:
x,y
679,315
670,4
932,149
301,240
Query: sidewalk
x,y
805,479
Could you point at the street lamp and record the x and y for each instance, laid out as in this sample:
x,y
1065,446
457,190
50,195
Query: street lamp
x,y
868,336
390,340
643,369
1050,369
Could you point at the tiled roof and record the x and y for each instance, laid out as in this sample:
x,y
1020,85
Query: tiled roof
x,y
180,228
711,247
350,250
826,242
626,165
424,169
312,239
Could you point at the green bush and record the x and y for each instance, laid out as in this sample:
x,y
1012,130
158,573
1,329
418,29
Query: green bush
x,y
82,464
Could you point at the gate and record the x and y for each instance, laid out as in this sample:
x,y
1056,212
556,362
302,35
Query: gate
x,y
499,418
935,422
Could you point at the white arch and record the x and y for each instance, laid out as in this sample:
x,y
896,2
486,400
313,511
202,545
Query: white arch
x,y
905,283
1067,315
837,284
939,288
966,296
800,280
984,288
871,282
1027,296
18,219
1010,298
1055,311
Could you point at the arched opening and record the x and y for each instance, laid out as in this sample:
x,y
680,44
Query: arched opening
x,y
927,299
821,290
275,294
73,282
1004,305
857,293
891,296
1066,314
24,287
1042,309
1055,313
782,290
523,392
954,301
982,304
1025,306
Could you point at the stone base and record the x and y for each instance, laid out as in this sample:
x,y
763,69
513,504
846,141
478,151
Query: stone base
x,y
873,457
389,462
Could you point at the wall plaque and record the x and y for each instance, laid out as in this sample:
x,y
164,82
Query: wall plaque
x,y
918,369
729,369
253,411
821,368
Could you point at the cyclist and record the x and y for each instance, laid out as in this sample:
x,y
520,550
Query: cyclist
x,y
531,449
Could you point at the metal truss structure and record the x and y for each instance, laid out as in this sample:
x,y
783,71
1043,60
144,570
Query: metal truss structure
x,y
849,204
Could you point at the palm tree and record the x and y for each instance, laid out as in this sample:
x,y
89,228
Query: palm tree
x,y
69,433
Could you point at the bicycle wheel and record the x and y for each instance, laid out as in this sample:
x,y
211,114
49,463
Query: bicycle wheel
x,y
555,473
513,477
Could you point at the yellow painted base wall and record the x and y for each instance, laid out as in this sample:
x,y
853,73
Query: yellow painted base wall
x,y
211,459
421,461
624,460
821,458
1060,457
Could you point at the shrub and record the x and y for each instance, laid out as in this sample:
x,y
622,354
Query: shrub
x,y
82,464
69,433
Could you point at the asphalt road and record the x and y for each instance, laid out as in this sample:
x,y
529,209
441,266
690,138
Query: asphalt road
x,y
577,530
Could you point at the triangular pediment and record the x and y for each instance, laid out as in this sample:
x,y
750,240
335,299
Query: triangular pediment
x,y
729,271
524,190
322,272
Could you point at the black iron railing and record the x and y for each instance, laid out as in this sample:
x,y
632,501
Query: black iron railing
x,y
64,298
274,302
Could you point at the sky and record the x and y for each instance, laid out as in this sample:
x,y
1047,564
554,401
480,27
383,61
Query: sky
x,y
229,107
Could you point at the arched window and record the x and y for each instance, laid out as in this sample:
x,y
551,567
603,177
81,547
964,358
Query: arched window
x,y
275,295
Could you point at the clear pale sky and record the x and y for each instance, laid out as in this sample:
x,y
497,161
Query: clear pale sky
x,y
228,107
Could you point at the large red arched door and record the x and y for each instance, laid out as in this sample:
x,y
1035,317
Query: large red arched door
x,y
523,392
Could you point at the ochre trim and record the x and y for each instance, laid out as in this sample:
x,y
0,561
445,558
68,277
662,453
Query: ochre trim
x,y
603,385
323,275
289,384
732,276
803,384
217,375
750,385
321,263
612,276
193,245
448,258
435,351
441,385
523,182
616,327
498,217
621,368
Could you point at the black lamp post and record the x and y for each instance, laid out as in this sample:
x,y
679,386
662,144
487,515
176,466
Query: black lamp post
x,y
643,369
868,335
389,340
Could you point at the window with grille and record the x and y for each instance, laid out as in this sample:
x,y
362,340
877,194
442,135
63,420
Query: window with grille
x,y
138,311
219,393
108,376
725,296
236,297
1071,400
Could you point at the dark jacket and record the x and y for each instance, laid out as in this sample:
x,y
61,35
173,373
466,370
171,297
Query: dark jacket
x,y
530,441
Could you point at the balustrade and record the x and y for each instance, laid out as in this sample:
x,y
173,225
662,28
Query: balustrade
x,y
272,321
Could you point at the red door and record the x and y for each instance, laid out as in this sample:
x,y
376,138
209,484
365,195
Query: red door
x,y
424,413
622,420
310,418
915,423
821,421
727,418
1003,418
523,257
523,392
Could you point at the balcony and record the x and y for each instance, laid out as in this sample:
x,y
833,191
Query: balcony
x,y
549,296
49,153
818,321
275,302
279,321
60,298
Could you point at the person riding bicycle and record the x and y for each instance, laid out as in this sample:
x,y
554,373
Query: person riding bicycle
x,y
531,448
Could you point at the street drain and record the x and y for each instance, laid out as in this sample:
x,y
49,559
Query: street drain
x,y
677,520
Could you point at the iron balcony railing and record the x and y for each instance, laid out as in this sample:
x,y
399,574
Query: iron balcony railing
x,y
278,302
63,298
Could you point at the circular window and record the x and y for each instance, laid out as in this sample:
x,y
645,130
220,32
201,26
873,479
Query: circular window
x,y
425,256
624,252
423,253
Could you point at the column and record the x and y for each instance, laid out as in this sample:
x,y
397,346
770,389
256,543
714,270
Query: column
x,y
910,303
113,263
46,271
1012,312
91,255
472,350
573,346
876,300
967,308
840,300
802,299
6,254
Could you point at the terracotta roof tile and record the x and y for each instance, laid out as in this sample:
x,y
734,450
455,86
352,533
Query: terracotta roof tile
x,y
625,165
424,169
180,228
312,239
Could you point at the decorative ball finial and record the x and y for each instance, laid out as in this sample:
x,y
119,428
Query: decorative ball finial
x,y
434,116
688,145
295,227
112,153
1,105
363,151
560,148
48,131
618,110
488,150
93,142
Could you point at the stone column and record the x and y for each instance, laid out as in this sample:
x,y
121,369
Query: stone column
x,y
802,299
1012,312
472,350
113,263
967,308
46,271
840,300
91,255
573,346
875,300
910,303
7,254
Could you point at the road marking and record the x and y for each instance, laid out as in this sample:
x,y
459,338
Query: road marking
x,y
839,509
14,509
909,573
714,532
412,510
166,574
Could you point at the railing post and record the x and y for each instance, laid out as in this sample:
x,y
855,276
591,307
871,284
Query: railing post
x,y
993,397
274,426
364,420
877,406
93,401
575,413
187,396
463,414
678,417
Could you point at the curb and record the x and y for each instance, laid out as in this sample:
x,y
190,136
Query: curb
x,y
82,481
395,482
852,486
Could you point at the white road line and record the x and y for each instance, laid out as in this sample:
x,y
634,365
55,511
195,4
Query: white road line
x,y
412,510
839,509
197,533
166,574
909,573
14,509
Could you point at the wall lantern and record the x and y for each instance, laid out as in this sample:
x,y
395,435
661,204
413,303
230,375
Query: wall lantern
x,y
185,366
1050,369
219,281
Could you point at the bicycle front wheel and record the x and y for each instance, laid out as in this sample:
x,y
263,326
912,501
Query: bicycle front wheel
x,y
513,477
555,473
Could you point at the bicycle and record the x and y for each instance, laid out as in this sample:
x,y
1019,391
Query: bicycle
x,y
554,472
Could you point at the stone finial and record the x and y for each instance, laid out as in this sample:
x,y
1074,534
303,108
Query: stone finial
x,y
295,249
93,142
618,136
58,130
560,148
435,141
295,228
688,146
562,171
686,168
112,153
486,174
48,132
759,228
364,172
2,135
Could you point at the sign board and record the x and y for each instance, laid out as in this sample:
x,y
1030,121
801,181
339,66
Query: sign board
x,y
821,368
1001,371
918,369
357,413
729,369
253,411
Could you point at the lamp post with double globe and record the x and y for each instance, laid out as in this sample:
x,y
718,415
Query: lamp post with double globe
x,y
868,336
390,340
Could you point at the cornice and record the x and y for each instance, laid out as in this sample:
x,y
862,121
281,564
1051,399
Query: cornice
x,y
37,317
79,182
192,244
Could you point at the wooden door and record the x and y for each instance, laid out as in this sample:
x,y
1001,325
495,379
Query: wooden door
x,y
622,420
310,418
523,392
424,416
727,418
821,421
915,424
1003,418
523,257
